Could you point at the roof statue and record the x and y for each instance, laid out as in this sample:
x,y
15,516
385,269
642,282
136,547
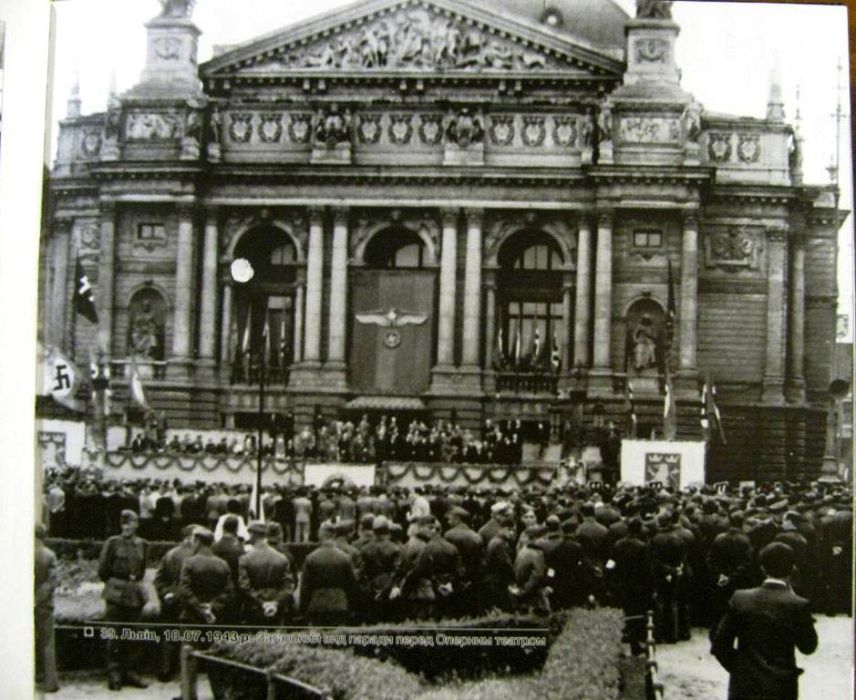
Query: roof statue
x,y
653,9
176,9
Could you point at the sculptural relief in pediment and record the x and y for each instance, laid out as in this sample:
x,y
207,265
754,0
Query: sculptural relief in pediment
x,y
410,39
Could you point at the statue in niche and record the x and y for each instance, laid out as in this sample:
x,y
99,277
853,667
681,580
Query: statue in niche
x,y
215,124
111,125
176,9
653,9
465,128
644,344
332,127
147,332
691,119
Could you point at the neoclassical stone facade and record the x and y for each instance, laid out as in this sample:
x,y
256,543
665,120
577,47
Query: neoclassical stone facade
x,y
454,212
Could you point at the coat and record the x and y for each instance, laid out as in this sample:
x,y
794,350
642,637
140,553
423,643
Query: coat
x,y
471,548
767,623
264,575
329,582
205,581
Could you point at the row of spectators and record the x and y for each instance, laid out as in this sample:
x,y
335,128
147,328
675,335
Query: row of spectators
x,y
500,442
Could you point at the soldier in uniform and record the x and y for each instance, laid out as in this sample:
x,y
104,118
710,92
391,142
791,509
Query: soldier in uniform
x,y
166,585
669,553
632,579
470,547
265,580
122,566
729,565
440,563
205,585
328,584
380,559
499,569
45,583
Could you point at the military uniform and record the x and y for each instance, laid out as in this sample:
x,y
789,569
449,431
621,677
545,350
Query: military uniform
x,y
45,582
166,585
265,575
380,560
205,584
122,566
328,585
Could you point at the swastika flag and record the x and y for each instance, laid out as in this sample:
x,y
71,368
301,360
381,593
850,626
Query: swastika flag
x,y
60,378
84,299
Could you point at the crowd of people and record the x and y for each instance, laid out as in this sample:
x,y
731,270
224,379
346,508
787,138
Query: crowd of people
x,y
386,554
363,441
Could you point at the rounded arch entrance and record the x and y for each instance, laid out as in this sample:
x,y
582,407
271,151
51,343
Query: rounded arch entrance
x,y
263,319
392,324
529,287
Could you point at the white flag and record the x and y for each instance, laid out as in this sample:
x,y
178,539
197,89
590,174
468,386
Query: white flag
x,y
137,392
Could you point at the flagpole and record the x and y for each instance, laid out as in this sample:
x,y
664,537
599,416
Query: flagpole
x,y
261,418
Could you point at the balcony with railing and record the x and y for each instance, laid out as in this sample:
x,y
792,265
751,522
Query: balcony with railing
x,y
543,382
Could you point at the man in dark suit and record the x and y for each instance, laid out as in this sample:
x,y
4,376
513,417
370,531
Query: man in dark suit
x,y
767,623
265,580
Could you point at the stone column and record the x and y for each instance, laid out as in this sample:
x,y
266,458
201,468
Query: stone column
x,y
489,332
338,290
563,339
298,322
226,329
472,288
688,328
582,315
603,292
182,324
775,352
104,294
796,322
314,286
448,262
63,268
208,302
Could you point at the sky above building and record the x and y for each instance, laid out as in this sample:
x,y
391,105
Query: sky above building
x,y
727,53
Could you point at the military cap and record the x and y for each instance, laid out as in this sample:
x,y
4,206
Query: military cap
x,y
204,534
257,527
366,520
128,516
40,531
500,507
380,524
779,506
552,522
462,513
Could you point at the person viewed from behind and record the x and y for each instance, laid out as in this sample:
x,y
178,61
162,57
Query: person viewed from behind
x,y
45,583
767,623
265,580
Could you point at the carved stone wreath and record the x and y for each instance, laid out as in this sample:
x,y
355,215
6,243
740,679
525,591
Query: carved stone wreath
x,y
369,129
430,129
748,147
719,146
241,127
534,131
300,127
91,143
565,131
501,130
651,50
89,236
400,129
270,128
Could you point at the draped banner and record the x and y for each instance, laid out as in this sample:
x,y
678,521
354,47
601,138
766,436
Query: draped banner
x,y
412,474
392,331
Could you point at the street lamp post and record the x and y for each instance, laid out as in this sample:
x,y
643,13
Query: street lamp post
x,y
242,272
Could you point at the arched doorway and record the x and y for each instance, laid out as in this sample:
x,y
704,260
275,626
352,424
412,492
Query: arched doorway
x,y
529,303
393,315
263,320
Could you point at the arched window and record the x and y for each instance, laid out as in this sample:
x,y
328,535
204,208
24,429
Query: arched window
x,y
529,295
395,248
264,306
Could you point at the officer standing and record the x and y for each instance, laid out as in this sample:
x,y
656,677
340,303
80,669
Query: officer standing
x,y
122,566
205,585
265,580
166,585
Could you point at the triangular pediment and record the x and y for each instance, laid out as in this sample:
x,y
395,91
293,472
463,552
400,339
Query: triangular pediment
x,y
414,36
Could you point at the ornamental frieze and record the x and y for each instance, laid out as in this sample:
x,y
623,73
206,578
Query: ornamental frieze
x,y
431,129
240,126
719,146
400,129
150,126
651,50
501,130
299,127
733,249
270,128
534,131
369,128
415,38
748,147
649,129
464,128
565,131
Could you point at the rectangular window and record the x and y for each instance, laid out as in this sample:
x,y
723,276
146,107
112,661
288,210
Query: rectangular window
x,y
647,239
151,233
